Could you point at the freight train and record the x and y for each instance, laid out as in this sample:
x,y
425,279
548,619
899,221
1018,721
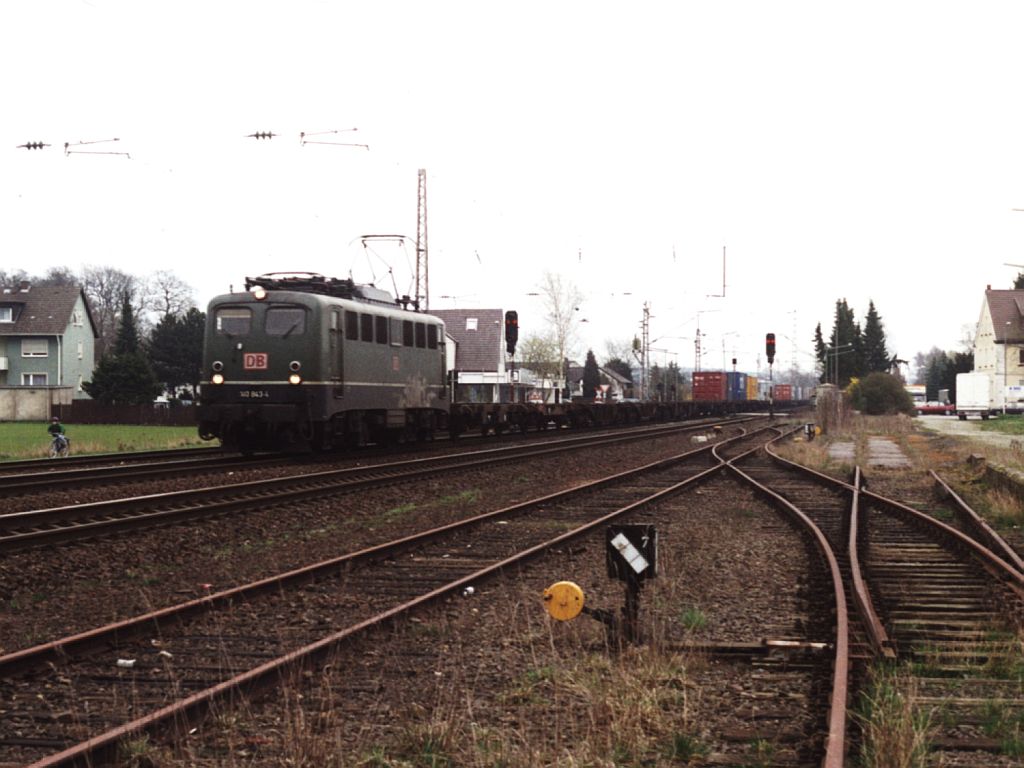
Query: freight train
x,y
301,361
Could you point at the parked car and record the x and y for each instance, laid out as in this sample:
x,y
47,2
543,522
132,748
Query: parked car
x,y
934,406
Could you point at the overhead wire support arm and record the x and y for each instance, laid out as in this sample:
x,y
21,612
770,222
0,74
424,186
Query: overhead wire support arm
x,y
304,141
261,135
32,145
69,151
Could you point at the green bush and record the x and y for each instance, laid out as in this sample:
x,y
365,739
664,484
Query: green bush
x,y
880,393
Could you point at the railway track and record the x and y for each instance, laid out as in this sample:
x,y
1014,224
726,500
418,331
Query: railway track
x,y
932,602
926,599
44,475
77,698
57,466
56,525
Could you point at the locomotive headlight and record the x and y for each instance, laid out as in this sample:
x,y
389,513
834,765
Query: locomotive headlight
x,y
294,366
259,293
217,366
295,379
217,378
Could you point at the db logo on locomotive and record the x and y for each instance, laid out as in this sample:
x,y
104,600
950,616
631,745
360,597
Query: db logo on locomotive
x,y
255,361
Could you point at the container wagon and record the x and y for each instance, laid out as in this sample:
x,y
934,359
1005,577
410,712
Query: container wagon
x,y
709,386
736,386
752,388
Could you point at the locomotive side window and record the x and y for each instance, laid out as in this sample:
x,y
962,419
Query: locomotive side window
x,y
351,326
407,337
234,321
366,327
431,337
421,335
285,321
396,332
382,330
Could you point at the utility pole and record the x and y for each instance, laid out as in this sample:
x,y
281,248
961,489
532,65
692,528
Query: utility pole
x,y
422,270
645,350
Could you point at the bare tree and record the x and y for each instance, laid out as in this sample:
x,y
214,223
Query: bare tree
x,y
618,349
60,276
105,288
540,355
561,300
168,294
12,278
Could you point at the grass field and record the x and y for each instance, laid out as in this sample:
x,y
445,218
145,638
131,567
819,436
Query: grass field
x,y
29,439
1007,424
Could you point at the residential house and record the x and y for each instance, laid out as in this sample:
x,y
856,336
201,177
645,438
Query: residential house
x,y
47,340
476,354
615,385
999,340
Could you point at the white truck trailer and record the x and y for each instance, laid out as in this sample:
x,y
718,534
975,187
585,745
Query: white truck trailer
x,y
975,395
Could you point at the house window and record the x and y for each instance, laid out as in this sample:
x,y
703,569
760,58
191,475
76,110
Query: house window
x,y
35,348
471,323
81,350
1021,356
6,314
76,318
33,379
80,383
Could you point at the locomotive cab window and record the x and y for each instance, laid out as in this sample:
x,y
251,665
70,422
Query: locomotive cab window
x,y
351,326
407,333
285,321
421,335
234,321
432,336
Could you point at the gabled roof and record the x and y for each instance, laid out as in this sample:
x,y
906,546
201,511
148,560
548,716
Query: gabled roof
x,y
43,310
1007,311
576,374
476,350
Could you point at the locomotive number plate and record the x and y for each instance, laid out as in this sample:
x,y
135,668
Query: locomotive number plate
x,y
255,361
253,394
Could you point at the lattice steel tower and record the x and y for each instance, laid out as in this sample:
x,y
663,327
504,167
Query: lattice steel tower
x,y
422,269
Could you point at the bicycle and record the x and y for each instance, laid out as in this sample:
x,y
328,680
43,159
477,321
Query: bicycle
x,y
60,447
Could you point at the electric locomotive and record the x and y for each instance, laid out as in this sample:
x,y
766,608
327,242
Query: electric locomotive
x,y
300,361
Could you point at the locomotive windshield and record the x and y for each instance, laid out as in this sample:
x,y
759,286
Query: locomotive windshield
x,y
285,321
234,321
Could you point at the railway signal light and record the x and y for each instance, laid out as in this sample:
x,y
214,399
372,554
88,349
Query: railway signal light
x,y
769,347
511,331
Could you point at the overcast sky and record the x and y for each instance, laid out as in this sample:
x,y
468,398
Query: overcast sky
x,y
859,151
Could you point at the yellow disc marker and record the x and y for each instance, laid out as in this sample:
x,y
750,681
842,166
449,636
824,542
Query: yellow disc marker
x,y
564,600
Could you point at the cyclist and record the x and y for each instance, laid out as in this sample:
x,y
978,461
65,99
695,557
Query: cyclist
x,y
59,446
